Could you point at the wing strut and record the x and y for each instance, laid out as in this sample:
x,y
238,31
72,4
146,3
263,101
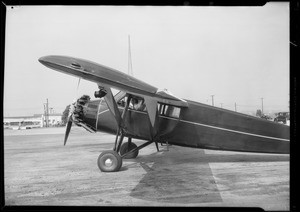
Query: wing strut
x,y
113,107
151,105
121,128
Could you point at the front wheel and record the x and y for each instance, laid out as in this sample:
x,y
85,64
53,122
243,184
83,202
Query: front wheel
x,y
109,161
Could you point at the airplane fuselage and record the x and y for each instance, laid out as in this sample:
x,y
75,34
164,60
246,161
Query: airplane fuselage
x,y
199,125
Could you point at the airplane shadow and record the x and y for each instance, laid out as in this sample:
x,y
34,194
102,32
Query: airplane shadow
x,y
181,155
183,175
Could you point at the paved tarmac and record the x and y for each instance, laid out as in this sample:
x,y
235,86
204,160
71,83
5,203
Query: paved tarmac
x,y
39,170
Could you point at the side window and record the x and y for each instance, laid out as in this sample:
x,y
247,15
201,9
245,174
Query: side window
x,y
134,104
137,104
173,111
122,102
169,110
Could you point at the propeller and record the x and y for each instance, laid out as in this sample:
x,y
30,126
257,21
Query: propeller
x,y
76,115
69,122
70,115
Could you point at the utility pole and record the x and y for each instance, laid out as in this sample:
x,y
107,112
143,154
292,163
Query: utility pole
x,y
46,112
235,106
262,106
221,105
212,100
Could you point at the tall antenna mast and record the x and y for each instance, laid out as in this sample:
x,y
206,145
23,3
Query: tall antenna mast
x,y
130,71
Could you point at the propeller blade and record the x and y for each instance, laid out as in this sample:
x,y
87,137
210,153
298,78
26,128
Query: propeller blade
x,y
68,129
70,116
70,121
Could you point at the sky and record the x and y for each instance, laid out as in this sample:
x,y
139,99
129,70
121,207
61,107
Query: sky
x,y
237,54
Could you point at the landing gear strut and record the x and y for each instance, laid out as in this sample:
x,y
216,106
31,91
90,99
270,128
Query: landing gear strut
x,y
111,161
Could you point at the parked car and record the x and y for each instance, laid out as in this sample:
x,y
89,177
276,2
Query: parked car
x,y
264,116
282,117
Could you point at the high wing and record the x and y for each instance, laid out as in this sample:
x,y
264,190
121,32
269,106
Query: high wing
x,y
108,77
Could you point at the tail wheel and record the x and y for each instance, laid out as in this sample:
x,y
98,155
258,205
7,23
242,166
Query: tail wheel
x,y
109,161
126,148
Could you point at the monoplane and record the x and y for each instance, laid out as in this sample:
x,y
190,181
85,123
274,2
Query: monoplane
x,y
141,111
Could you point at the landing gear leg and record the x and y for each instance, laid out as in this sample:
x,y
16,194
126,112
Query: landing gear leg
x,y
111,161
156,144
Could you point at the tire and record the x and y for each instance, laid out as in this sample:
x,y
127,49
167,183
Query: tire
x,y
124,149
109,161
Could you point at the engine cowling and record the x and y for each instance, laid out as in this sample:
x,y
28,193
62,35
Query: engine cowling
x,y
85,113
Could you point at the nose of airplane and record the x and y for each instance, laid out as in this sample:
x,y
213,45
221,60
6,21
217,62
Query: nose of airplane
x,y
77,115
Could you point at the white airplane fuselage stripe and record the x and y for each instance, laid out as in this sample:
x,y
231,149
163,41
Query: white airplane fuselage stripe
x,y
235,131
210,126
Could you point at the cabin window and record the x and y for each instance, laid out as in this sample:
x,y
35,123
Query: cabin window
x,y
137,104
134,104
169,110
122,101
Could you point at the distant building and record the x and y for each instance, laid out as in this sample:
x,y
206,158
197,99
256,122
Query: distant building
x,y
54,119
35,121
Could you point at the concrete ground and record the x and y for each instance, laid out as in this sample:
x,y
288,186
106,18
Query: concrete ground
x,y
39,170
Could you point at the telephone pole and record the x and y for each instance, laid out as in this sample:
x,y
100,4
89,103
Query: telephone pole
x,y
212,100
235,106
46,112
262,105
221,105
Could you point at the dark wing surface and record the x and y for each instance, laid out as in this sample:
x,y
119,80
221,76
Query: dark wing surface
x,y
108,77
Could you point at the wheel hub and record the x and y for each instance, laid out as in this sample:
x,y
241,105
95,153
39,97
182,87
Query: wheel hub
x,y
108,162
